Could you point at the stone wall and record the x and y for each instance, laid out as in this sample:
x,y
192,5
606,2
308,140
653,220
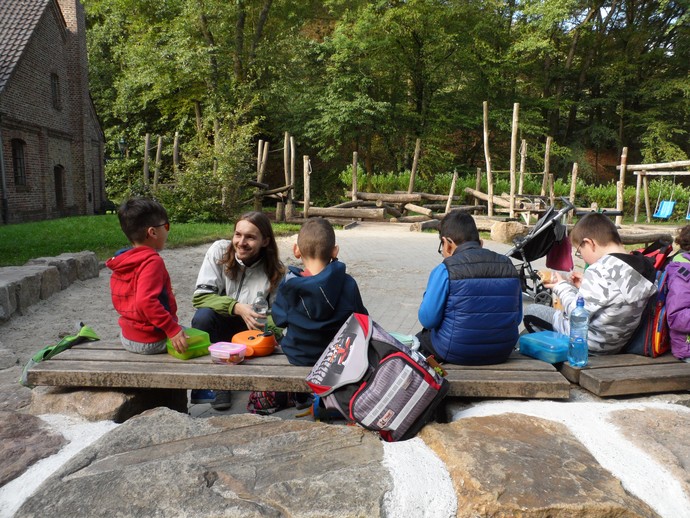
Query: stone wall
x,y
39,279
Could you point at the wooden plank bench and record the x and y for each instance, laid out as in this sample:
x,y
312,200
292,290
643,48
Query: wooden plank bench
x,y
630,374
102,364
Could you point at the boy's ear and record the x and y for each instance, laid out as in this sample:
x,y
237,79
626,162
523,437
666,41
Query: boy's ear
x,y
296,252
334,252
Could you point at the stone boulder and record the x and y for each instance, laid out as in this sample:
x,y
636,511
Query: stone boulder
x,y
96,404
163,463
23,286
506,231
518,465
14,395
24,439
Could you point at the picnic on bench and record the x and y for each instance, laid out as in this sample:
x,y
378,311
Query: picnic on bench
x,y
471,312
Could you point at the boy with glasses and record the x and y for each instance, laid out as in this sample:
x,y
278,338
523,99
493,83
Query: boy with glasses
x,y
615,287
140,285
472,306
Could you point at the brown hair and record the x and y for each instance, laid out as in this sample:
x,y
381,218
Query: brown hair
x,y
272,266
683,238
597,227
316,239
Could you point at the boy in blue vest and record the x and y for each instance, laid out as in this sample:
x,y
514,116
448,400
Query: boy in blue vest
x,y
472,306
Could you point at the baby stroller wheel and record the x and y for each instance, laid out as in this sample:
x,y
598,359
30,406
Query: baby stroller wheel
x,y
544,298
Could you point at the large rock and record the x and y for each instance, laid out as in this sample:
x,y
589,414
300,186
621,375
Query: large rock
x,y
662,434
163,463
14,395
24,439
507,231
517,465
95,404
23,286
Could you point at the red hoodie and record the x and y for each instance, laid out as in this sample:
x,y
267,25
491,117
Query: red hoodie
x,y
142,294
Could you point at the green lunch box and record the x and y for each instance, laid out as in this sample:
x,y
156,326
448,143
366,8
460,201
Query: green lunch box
x,y
198,343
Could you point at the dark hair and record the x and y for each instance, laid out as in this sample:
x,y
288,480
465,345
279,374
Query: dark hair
x,y
272,266
137,215
316,239
683,238
458,226
597,227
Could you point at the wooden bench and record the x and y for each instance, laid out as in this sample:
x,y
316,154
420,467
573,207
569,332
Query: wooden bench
x,y
102,364
630,374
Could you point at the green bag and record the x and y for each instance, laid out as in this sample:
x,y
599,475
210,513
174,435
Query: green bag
x,y
85,334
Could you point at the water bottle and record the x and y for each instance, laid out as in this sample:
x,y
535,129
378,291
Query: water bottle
x,y
579,324
260,306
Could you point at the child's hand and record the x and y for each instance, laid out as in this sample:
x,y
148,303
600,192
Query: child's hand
x,y
576,279
555,279
179,342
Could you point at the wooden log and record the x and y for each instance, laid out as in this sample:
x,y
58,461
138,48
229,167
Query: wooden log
x,y
495,199
547,165
643,238
147,143
416,208
466,208
355,203
392,210
621,185
523,158
487,157
573,184
354,175
430,224
157,165
410,219
176,155
277,190
478,184
388,198
452,191
652,167
307,194
415,163
330,212
437,197
290,207
513,152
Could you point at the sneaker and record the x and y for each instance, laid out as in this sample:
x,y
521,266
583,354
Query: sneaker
x,y
199,397
303,401
222,401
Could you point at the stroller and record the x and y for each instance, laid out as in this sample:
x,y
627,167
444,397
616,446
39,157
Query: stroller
x,y
535,245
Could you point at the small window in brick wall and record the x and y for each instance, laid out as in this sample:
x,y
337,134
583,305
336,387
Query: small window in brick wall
x,y
55,91
18,163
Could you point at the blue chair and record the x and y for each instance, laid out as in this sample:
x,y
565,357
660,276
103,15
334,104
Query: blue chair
x,y
665,209
687,213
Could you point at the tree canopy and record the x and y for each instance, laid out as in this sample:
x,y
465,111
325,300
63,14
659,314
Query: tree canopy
x,y
373,76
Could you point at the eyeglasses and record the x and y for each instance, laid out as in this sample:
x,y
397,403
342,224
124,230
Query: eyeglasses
x,y
440,244
166,225
578,254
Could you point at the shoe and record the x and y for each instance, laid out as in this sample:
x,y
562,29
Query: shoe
x,y
303,401
199,397
222,401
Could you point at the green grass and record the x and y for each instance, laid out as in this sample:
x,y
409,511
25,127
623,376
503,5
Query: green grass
x,y
100,234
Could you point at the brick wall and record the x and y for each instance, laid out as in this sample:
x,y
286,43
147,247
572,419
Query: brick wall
x,y
69,138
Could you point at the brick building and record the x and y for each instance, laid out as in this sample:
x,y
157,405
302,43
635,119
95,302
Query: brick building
x,y
51,143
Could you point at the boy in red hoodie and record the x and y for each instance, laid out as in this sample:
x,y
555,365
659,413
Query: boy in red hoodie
x,y
140,284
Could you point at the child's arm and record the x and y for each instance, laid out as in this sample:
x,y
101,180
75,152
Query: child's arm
x,y
433,304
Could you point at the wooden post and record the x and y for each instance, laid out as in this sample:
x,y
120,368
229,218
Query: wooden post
x,y
415,162
290,207
176,155
573,186
552,195
157,167
638,184
547,165
257,192
354,176
147,143
452,191
487,156
645,188
478,184
523,159
307,173
513,157
621,185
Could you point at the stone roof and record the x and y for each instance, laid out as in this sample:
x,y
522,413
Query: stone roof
x,y
18,19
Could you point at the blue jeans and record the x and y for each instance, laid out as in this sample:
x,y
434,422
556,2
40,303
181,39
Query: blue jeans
x,y
220,328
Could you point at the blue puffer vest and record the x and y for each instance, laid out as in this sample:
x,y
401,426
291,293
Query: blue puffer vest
x,y
483,310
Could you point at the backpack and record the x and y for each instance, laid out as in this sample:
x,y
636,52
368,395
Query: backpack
x,y
377,382
651,338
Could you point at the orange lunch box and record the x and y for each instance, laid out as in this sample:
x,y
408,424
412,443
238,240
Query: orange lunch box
x,y
258,343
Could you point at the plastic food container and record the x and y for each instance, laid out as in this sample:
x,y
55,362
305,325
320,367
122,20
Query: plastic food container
x,y
198,343
258,343
227,352
547,346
